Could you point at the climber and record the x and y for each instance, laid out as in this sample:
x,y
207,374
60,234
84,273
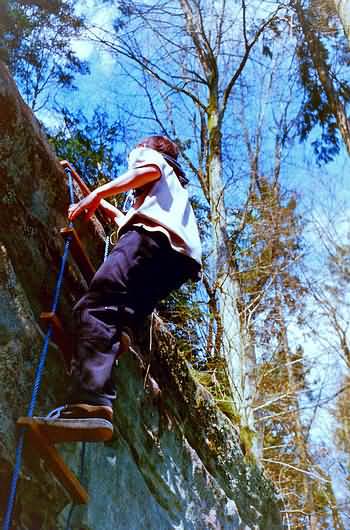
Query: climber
x,y
158,249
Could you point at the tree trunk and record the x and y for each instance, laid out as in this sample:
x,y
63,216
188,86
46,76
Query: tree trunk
x,y
343,10
234,342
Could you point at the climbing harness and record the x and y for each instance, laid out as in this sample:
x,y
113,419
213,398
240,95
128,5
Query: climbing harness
x,y
39,372
113,238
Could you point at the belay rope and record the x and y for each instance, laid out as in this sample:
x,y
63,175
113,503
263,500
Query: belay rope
x,y
40,369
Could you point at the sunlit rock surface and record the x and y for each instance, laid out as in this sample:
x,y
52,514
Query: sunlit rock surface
x,y
175,461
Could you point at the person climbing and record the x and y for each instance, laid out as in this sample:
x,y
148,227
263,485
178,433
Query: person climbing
x,y
158,249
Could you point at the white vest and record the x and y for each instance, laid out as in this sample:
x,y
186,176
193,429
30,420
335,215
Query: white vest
x,y
165,207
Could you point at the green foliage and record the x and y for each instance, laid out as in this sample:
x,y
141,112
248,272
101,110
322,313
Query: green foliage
x,y
316,110
321,95
95,146
36,42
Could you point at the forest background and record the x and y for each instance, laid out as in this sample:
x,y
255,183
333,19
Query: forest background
x,y
256,94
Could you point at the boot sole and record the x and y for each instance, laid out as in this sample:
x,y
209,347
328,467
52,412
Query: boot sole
x,y
75,430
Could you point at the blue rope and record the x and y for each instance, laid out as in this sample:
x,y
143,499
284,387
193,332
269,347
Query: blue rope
x,y
39,372
16,471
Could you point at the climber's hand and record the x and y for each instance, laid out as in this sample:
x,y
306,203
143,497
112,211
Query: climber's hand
x,y
88,205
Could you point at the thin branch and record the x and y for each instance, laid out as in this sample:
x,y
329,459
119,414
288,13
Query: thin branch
x,y
244,60
308,473
146,65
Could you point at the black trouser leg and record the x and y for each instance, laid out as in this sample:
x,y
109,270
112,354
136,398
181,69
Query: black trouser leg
x,y
140,270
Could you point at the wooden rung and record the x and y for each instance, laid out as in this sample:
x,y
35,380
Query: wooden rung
x,y
54,460
60,337
79,254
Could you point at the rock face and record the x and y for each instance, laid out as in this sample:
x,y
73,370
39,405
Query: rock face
x,y
175,460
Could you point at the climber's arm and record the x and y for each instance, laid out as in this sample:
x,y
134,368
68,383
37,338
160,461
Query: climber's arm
x,y
133,178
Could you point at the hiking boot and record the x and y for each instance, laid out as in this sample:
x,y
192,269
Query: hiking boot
x,y
84,410
78,422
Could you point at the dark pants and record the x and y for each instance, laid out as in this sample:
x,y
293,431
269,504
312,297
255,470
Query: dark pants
x,y
141,270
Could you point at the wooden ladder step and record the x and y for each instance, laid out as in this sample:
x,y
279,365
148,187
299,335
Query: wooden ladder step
x,y
60,337
53,459
78,253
